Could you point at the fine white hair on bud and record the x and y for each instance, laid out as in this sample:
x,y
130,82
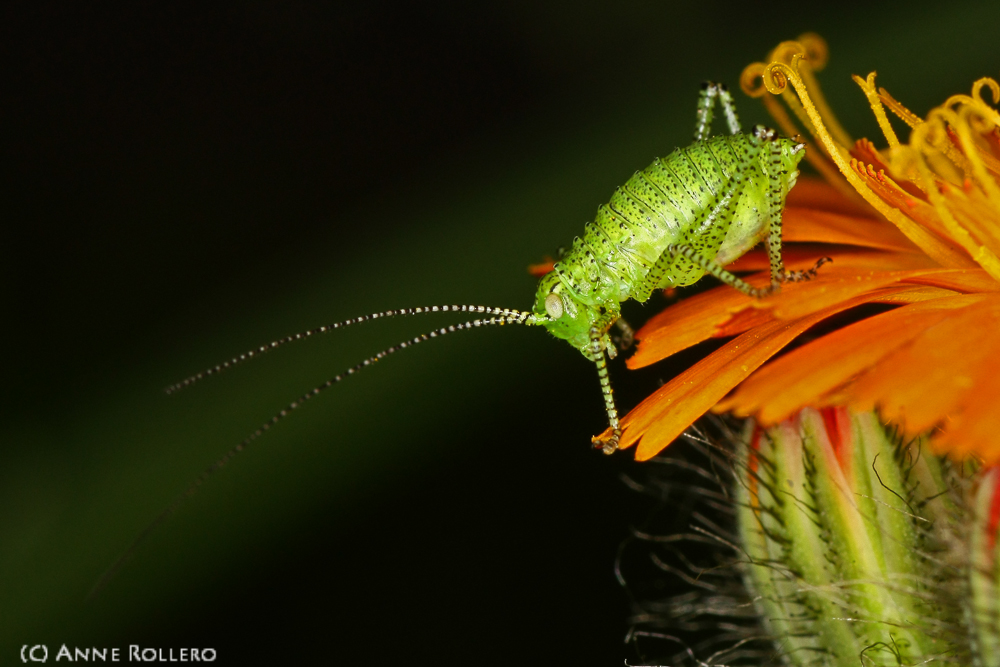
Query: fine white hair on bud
x,y
826,540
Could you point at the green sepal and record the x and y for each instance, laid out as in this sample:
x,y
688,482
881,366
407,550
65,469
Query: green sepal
x,y
844,527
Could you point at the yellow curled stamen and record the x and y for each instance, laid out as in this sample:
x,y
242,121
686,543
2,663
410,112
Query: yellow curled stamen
x,y
785,51
810,54
968,118
926,136
976,99
957,100
986,202
777,76
783,54
988,111
981,119
977,89
815,49
935,142
805,70
752,83
748,80
868,86
897,108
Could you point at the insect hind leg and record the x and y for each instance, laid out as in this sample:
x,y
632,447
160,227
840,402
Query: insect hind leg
x,y
710,94
714,268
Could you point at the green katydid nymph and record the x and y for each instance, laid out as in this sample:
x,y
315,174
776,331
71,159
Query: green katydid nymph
x,y
685,215
688,214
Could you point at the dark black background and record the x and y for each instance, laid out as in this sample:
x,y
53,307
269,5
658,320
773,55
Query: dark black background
x,y
183,181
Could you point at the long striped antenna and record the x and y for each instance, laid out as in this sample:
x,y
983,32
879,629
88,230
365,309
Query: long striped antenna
x,y
497,317
257,351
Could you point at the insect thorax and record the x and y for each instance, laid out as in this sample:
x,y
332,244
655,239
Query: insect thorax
x,y
675,200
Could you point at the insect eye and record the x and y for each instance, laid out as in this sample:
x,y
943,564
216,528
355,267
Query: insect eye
x,y
554,306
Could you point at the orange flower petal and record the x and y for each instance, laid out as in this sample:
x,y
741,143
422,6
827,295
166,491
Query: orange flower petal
x,y
804,256
913,295
922,382
688,323
811,225
743,320
664,415
809,374
817,194
966,281
799,299
726,312
974,430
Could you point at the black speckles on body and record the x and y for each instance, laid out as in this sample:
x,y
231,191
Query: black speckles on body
x,y
675,200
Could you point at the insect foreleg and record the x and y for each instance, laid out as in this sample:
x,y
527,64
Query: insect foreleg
x,y
710,94
597,348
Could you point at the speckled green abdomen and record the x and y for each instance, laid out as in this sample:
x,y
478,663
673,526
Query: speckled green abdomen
x,y
658,207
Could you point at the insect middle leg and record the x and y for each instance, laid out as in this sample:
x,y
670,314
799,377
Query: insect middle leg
x,y
710,94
